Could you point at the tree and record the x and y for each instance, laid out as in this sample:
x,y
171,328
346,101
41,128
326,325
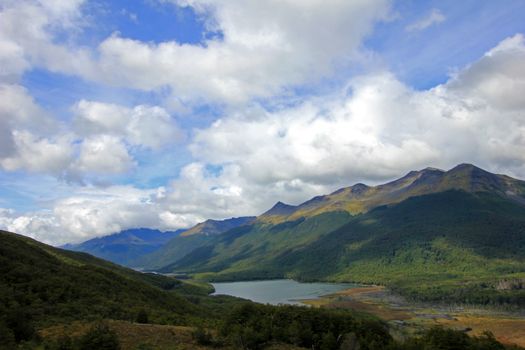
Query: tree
x,y
142,316
100,337
328,342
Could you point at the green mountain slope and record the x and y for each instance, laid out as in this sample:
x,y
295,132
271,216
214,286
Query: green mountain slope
x,y
189,240
255,247
51,285
446,246
431,234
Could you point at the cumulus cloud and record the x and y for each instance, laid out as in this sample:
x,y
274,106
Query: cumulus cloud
x,y
377,127
142,125
434,17
99,141
103,154
264,47
27,138
25,46
38,154
373,129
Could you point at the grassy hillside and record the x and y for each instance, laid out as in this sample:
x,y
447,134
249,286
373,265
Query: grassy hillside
x,y
195,237
450,246
51,285
255,247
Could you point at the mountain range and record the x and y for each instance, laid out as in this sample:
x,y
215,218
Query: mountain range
x,y
430,233
125,246
130,247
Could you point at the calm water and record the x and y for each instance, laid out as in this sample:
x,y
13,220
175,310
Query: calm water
x,y
278,291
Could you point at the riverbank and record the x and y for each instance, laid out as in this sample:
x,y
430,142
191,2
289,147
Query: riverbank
x,y
407,318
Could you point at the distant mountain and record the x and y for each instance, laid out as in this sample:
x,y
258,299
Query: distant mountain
x,y
213,227
188,240
126,246
431,234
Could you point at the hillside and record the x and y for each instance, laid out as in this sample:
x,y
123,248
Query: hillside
x,y
187,241
55,299
126,246
50,285
431,234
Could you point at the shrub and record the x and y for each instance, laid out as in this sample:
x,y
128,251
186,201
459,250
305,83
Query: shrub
x,y
100,337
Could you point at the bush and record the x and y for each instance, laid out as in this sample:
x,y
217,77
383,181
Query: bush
x,y
21,326
142,317
7,338
100,337
202,336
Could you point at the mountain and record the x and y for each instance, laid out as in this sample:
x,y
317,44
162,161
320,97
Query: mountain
x,y
214,227
361,198
126,246
431,234
187,241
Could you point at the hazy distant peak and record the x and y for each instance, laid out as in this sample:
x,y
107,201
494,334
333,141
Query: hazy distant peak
x,y
214,227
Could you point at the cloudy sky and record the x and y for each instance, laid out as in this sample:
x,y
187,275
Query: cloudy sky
x,y
163,113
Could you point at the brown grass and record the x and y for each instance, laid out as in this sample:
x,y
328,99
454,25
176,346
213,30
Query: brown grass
x,y
506,330
132,335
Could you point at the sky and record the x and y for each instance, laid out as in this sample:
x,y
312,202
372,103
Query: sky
x,y
164,113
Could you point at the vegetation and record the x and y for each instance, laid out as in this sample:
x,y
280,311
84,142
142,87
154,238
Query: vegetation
x,y
43,288
453,247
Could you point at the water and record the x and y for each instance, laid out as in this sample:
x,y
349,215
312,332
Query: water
x,y
278,291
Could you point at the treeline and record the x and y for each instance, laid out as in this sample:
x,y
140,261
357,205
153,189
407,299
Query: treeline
x,y
255,326
250,326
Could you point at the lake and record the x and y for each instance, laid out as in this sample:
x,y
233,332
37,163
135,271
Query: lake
x,y
278,291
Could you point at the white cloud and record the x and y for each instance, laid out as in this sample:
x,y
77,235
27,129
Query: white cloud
x,y
38,154
27,37
378,128
146,126
497,79
265,46
434,17
94,212
93,117
42,226
104,154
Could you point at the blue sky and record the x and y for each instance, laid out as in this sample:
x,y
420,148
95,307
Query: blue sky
x,y
159,113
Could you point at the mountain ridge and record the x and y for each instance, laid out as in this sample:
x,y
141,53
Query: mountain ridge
x,y
361,198
461,227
